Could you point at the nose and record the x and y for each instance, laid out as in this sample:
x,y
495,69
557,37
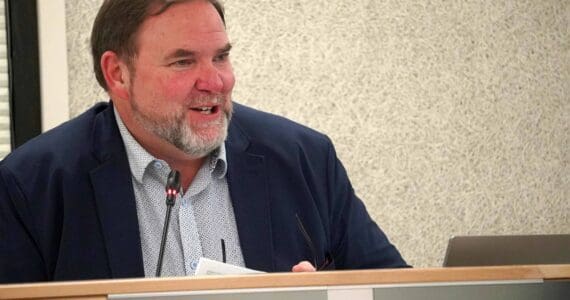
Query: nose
x,y
209,79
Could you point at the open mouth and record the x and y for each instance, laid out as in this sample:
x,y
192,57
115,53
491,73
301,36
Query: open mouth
x,y
206,110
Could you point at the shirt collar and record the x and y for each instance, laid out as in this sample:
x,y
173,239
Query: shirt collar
x,y
218,162
139,158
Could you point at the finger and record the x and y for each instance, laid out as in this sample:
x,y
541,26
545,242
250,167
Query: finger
x,y
303,266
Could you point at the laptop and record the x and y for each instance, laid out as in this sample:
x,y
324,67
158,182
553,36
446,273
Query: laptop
x,y
508,250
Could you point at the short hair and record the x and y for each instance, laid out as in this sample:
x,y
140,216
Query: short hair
x,y
116,26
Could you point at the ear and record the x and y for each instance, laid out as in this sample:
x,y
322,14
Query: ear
x,y
116,75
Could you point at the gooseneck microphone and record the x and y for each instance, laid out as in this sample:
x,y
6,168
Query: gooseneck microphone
x,y
172,189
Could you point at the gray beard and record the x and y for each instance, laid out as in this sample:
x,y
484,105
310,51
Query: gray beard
x,y
175,130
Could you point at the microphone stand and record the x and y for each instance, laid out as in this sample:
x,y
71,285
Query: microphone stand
x,y
172,189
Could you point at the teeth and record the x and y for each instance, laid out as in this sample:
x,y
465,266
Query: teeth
x,y
204,110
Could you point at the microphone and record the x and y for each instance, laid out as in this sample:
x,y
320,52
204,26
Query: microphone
x,y
172,189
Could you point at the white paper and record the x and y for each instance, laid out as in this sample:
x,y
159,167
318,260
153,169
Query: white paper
x,y
212,267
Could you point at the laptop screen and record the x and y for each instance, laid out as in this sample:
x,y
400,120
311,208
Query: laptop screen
x,y
507,250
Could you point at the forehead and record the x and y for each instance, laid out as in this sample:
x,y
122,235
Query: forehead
x,y
183,21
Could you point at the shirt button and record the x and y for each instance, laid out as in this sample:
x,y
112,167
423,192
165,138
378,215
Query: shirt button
x,y
158,165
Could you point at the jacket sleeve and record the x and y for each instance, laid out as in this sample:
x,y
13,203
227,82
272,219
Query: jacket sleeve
x,y
20,258
357,240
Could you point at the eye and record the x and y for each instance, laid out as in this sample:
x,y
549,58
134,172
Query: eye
x,y
182,63
222,57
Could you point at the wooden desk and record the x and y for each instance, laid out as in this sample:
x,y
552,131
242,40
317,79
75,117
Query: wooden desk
x,y
443,283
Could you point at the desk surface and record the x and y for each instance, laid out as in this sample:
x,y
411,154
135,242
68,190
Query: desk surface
x,y
98,289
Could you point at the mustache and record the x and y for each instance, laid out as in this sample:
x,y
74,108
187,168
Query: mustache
x,y
206,100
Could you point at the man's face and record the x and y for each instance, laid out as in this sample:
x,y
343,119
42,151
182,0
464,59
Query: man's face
x,y
181,87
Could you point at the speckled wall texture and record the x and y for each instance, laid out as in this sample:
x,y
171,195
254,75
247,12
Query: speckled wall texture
x,y
452,117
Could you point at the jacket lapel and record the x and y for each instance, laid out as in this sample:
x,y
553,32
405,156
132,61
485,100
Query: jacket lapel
x,y
115,200
249,192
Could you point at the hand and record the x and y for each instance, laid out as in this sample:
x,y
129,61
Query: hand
x,y
303,266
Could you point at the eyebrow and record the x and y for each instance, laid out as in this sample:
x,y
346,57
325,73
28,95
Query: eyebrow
x,y
226,48
188,53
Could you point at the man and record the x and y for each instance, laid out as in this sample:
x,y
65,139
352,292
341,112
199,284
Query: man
x,y
86,200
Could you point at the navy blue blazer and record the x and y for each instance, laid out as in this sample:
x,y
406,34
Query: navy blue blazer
x,y
67,206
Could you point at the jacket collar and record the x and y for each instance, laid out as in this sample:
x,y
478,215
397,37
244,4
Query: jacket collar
x,y
114,197
249,191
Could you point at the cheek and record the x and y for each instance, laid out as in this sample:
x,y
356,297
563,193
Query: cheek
x,y
228,80
173,87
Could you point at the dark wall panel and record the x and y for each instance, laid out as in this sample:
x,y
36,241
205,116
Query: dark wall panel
x,y
25,97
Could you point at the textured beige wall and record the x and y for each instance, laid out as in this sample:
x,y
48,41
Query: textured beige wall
x,y
452,117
